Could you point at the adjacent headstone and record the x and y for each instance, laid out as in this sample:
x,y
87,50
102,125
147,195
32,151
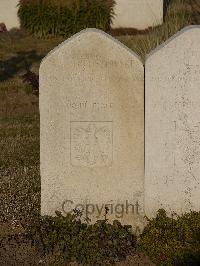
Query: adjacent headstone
x,y
139,14
8,13
92,129
172,125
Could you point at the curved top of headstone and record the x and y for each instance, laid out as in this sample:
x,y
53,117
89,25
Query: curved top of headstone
x,y
98,33
184,31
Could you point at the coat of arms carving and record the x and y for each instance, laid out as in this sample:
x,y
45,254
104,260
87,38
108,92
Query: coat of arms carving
x,y
91,143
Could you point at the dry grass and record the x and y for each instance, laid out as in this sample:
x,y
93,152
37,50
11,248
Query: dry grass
x,y
19,127
19,157
178,16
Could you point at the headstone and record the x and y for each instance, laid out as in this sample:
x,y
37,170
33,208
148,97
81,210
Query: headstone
x,y
172,125
139,14
8,15
92,132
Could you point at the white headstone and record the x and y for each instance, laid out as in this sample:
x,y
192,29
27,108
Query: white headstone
x,y
172,125
92,132
139,14
8,13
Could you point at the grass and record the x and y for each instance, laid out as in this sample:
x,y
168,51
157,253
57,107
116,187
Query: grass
x,y
19,110
177,17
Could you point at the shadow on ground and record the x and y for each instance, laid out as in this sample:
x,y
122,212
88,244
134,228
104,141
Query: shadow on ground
x,y
22,61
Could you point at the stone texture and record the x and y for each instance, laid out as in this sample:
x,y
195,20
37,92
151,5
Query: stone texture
x,y
139,14
92,127
172,125
8,13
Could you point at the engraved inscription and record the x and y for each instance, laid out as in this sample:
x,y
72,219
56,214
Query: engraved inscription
x,y
85,105
91,143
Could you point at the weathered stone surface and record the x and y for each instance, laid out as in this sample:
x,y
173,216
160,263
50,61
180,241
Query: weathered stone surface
x,y
139,14
92,132
172,125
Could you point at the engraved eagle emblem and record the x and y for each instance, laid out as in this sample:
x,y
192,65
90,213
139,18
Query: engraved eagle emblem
x,y
92,143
